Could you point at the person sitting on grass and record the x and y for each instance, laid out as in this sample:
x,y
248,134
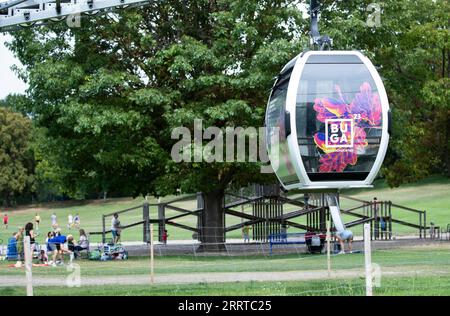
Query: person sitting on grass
x,y
43,258
51,247
82,244
345,235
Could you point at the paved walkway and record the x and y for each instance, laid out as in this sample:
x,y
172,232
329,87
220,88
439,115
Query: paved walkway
x,y
240,241
235,247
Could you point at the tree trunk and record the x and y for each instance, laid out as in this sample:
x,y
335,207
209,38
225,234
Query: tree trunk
x,y
212,230
7,200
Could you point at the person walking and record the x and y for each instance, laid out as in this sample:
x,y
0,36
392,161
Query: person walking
x,y
77,221
246,233
115,228
70,221
37,220
5,221
164,236
54,221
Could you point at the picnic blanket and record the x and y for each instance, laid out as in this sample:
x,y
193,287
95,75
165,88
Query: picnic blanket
x,y
23,266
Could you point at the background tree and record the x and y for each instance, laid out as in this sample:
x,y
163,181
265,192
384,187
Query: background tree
x,y
15,158
411,48
109,94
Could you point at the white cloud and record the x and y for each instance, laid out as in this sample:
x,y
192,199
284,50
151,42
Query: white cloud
x,y
9,82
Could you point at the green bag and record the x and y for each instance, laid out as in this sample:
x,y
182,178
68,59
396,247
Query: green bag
x,y
95,255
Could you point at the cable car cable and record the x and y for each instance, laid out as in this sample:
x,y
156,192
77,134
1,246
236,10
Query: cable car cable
x,y
323,42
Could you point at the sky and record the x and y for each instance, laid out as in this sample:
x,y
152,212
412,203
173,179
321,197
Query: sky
x,y
9,82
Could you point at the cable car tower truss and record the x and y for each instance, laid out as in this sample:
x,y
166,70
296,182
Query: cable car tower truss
x,y
23,13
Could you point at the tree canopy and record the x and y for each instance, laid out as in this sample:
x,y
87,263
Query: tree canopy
x,y
16,169
107,95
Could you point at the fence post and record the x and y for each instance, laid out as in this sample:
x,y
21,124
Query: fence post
x,y
377,226
152,261
28,258
390,219
161,221
200,205
328,249
371,222
146,218
103,230
368,260
420,225
425,224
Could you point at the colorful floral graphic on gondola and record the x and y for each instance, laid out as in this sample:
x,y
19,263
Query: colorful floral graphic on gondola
x,y
344,135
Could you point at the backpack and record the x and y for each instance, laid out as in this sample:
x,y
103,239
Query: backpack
x,y
95,255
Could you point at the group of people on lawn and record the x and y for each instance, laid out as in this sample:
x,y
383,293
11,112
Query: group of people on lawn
x,y
72,221
56,244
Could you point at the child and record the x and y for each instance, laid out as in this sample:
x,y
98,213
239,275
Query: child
x,y
164,236
70,221
76,221
246,233
37,220
5,220
43,258
54,221
71,246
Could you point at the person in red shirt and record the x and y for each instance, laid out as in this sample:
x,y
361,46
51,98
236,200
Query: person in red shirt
x,y
5,220
164,237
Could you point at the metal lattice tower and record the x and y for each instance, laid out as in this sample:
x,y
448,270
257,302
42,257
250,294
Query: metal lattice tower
x,y
16,13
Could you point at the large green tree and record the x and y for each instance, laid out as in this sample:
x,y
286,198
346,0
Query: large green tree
x,y
411,48
16,169
109,93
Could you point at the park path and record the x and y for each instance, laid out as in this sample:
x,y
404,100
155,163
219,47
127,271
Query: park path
x,y
213,277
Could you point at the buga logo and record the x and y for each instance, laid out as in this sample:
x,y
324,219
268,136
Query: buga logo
x,y
339,133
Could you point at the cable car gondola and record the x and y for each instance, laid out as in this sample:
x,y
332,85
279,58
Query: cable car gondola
x,y
327,121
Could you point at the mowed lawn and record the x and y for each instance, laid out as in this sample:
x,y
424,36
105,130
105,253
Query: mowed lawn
x,y
432,195
417,258
427,268
390,286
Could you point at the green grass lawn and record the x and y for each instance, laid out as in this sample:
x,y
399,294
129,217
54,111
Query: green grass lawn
x,y
433,260
391,286
436,257
432,195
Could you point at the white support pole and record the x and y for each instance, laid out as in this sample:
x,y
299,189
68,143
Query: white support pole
x,y
368,259
152,275
28,264
328,249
